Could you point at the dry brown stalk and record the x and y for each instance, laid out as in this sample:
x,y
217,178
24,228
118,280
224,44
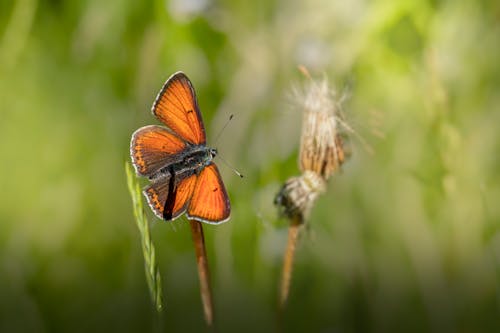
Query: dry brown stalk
x,y
203,271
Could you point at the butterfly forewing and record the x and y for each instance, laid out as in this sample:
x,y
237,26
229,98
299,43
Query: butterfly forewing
x,y
169,195
176,106
210,202
153,147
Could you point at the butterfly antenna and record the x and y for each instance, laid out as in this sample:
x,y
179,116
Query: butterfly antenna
x,y
231,167
217,140
222,130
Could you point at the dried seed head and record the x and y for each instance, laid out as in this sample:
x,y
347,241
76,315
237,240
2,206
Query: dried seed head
x,y
321,148
321,143
297,196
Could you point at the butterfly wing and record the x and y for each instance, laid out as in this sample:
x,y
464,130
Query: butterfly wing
x,y
176,106
168,196
210,202
153,147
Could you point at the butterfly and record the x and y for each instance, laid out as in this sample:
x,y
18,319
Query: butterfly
x,y
179,165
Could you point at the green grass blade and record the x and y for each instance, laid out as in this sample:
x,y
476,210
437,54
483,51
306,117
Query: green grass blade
x,y
150,265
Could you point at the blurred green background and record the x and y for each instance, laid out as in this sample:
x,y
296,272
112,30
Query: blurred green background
x,y
406,239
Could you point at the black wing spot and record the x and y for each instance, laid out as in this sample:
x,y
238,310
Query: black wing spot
x,y
215,189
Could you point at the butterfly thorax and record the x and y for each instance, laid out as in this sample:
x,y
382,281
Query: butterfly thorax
x,y
199,157
192,161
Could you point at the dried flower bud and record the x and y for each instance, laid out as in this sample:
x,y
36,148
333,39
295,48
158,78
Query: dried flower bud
x,y
297,196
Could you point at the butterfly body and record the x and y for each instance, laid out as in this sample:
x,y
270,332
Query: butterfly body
x,y
184,178
194,159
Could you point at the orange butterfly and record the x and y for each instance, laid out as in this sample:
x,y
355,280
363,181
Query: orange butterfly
x,y
176,159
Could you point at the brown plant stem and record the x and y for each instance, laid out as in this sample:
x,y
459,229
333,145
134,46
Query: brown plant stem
x,y
203,271
286,276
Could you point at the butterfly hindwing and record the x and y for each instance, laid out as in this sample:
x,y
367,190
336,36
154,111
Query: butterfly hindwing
x,y
176,106
210,202
169,195
153,147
